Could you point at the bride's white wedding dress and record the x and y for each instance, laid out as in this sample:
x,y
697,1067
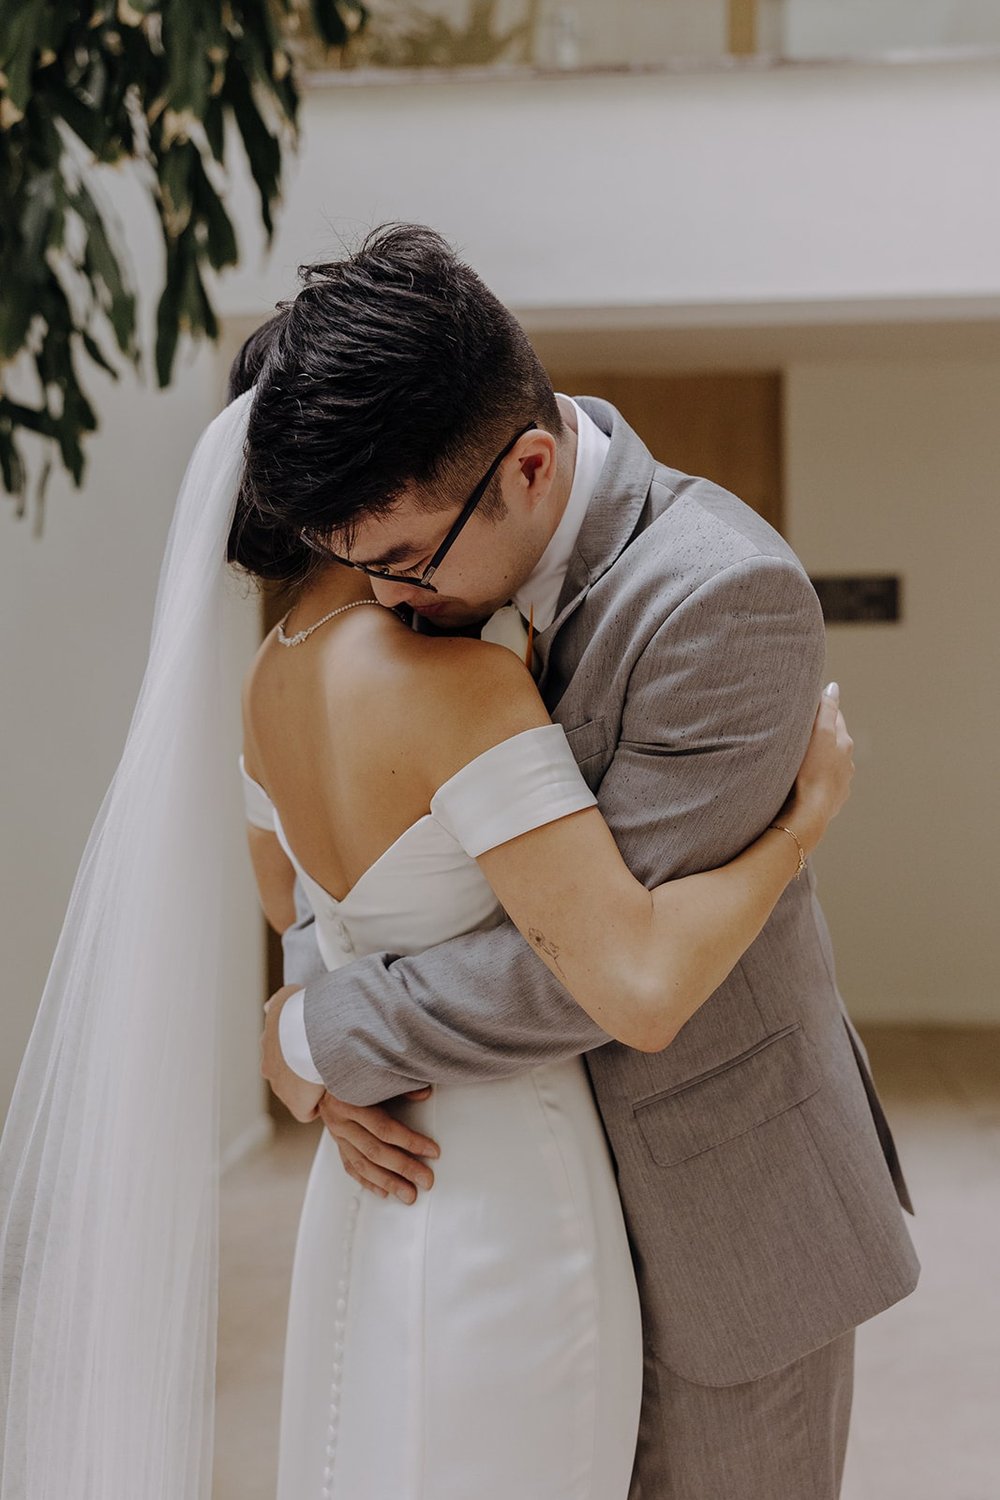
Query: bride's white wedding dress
x,y
483,1343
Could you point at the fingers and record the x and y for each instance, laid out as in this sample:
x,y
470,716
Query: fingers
x,y
378,1150
828,767
385,1127
382,1125
829,709
353,1168
389,1159
371,1175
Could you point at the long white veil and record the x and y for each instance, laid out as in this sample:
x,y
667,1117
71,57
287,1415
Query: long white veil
x,y
109,1157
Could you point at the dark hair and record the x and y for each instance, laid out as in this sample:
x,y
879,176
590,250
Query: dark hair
x,y
394,367
252,354
260,541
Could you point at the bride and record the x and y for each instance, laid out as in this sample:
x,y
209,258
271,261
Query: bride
x,y
507,1291
487,1341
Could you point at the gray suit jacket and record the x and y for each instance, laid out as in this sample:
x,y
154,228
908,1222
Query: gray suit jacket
x,y
758,1175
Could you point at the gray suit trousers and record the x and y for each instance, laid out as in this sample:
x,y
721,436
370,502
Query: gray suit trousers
x,y
782,1437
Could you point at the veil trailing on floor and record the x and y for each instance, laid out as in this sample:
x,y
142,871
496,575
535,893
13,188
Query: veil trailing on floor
x,y
109,1157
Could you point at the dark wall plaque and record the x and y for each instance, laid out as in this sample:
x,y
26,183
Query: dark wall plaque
x,y
858,600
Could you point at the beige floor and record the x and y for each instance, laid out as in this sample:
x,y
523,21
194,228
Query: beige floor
x,y
926,1420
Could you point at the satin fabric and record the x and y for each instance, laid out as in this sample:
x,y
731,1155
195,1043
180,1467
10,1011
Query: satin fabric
x,y
484,1342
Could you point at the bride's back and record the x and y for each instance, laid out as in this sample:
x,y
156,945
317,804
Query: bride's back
x,y
351,732
323,737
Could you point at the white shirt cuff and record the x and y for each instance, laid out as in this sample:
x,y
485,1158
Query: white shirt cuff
x,y
292,1038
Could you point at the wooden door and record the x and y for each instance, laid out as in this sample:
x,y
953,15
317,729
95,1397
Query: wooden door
x,y
725,427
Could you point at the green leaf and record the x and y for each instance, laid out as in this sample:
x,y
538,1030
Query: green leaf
x,y
16,316
19,25
196,312
220,237
67,435
57,17
86,121
78,407
259,27
41,224
28,417
328,19
214,122
262,148
175,169
188,67
11,462
97,354
168,318
46,146
103,266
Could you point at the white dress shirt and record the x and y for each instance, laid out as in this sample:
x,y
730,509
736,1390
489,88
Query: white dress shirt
x,y
540,592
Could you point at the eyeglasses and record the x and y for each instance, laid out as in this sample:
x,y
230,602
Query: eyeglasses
x,y
422,580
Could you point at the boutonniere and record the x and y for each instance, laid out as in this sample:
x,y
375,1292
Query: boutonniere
x,y
507,628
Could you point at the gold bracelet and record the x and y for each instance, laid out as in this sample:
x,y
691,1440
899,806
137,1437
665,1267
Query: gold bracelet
x,y
793,835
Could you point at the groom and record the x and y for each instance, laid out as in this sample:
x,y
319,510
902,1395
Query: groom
x,y
679,643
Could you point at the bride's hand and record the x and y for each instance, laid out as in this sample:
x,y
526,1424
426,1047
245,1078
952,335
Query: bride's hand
x,y
823,784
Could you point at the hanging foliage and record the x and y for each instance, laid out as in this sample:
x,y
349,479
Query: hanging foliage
x,y
150,82
401,34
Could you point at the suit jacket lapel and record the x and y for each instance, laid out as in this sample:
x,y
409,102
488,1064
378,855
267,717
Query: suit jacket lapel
x,y
611,519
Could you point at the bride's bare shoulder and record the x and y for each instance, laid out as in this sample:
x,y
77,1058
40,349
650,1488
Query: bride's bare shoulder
x,y
427,704
451,698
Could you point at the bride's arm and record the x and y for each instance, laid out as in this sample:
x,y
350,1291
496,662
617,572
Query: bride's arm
x,y
275,877
273,870
638,962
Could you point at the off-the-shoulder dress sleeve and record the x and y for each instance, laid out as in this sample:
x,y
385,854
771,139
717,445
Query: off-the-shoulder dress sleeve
x,y
524,782
259,807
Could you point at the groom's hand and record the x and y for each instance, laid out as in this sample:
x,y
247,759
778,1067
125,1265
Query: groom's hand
x,y
378,1150
298,1095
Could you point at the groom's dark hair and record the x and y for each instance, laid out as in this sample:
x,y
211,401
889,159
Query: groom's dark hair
x,y
395,368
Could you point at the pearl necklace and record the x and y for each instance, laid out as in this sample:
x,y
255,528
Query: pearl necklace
x,y
301,635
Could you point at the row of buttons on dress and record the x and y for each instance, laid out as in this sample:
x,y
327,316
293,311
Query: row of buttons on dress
x,y
343,933
334,922
339,1342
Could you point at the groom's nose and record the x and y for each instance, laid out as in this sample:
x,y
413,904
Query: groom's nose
x,y
391,594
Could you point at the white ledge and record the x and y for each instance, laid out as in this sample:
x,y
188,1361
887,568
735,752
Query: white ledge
x,y
760,62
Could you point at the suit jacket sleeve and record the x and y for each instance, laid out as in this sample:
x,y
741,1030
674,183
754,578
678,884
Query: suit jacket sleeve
x,y
301,957
717,715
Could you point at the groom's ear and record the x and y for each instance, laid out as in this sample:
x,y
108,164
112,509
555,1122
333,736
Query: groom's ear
x,y
534,467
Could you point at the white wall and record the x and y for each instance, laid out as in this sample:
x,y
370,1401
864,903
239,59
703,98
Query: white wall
x,y
893,467
809,184
636,31
75,613
831,28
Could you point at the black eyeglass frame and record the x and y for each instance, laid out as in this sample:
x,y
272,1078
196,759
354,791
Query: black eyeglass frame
x,y
422,580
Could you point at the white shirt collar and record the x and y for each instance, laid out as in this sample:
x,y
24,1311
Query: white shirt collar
x,y
543,587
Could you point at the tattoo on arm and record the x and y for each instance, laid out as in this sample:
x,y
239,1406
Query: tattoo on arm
x,y
538,940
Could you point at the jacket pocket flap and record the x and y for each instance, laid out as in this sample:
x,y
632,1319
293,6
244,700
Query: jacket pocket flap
x,y
770,1077
590,738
